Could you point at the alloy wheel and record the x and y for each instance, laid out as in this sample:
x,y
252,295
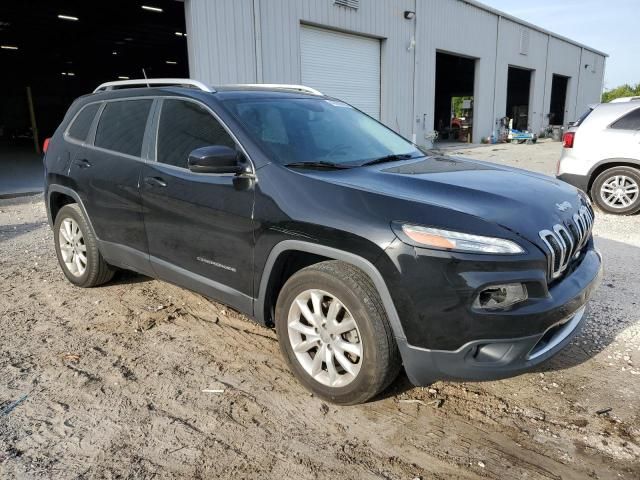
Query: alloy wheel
x,y
325,338
72,247
619,191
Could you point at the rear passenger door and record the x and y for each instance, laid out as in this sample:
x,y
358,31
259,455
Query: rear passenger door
x,y
199,225
107,170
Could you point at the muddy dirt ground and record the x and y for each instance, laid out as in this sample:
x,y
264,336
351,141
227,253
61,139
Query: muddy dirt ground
x,y
108,383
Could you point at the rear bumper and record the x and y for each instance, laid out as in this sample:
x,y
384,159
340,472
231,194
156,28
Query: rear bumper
x,y
578,181
492,358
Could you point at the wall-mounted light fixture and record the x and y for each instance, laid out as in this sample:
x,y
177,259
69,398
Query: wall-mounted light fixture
x,y
409,15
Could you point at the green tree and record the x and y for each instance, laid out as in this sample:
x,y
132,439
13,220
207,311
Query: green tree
x,y
457,105
625,90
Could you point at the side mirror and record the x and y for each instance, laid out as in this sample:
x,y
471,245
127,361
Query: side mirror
x,y
215,159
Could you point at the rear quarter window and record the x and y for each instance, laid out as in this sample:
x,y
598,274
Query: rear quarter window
x,y
630,121
81,124
121,126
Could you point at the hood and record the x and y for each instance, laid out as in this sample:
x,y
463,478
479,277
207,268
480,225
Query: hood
x,y
518,200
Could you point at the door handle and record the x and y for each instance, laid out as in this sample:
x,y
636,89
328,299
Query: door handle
x,y
155,182
83,163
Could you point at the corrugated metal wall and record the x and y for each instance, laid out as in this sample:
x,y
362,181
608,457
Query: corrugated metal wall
x,y
280,22
221,40
247,41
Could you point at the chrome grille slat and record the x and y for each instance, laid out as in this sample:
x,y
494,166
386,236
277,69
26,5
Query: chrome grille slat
x,y
564,243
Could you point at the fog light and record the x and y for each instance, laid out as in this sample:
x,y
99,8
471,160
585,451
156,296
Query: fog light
x,y
500,297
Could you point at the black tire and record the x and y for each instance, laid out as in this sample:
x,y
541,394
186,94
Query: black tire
x,y
380,361
97,271
603,178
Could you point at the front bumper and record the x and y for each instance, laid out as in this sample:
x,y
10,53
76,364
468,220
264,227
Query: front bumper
x,y
495,357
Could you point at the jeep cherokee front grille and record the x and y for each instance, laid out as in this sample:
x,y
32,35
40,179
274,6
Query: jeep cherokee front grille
x,y
564,243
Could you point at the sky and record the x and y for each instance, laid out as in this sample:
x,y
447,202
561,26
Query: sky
x,y
612,27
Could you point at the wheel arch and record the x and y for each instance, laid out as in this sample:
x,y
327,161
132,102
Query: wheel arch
x,y
610,163
272,279
58,196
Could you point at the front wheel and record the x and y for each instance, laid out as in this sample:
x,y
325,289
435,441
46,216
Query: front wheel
x,y
334,333
617,190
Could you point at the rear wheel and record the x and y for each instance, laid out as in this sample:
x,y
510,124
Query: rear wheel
x,y
334,333
617,190
77,249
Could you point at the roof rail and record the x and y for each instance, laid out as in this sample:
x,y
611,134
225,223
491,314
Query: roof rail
x,y
141,82
281,86
625,99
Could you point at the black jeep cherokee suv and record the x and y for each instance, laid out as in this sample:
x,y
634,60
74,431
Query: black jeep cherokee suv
x,y
304,213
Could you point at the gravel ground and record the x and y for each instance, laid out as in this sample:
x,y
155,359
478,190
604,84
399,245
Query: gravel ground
x,y
108,383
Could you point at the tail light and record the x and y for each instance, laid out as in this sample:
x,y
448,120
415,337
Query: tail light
x,y
567,140
45,145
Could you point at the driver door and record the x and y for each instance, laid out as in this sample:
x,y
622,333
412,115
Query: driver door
x,y
199,226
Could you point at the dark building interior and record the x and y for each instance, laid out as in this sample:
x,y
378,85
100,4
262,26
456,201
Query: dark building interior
x,y
55,51
518,94
559,86
455,77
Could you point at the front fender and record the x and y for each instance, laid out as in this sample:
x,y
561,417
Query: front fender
x,y
336,254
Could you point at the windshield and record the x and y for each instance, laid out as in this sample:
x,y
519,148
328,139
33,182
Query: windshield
x,y
310,130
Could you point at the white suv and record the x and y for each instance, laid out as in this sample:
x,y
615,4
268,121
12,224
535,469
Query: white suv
x,y
601,156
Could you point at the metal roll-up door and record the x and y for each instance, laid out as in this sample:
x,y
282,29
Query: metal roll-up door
x,y
342,65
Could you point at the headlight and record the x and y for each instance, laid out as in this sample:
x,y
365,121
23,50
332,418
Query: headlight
x,y
463,242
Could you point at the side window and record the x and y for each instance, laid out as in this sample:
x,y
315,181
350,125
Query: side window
x,y
631,121
121,126
185,126
81,125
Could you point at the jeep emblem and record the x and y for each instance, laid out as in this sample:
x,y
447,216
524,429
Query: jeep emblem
x,y
564,206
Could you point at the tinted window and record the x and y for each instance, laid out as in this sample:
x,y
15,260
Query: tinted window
x,y
121,126
185,126
80,127
631,121
317,130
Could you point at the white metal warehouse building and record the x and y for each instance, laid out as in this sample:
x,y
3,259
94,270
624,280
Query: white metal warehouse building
x,y
399,60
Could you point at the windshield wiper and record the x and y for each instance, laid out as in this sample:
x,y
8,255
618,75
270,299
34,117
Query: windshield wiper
x,y
388,158
318,164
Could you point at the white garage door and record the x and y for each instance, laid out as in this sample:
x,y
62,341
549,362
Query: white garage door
x,y
343,66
